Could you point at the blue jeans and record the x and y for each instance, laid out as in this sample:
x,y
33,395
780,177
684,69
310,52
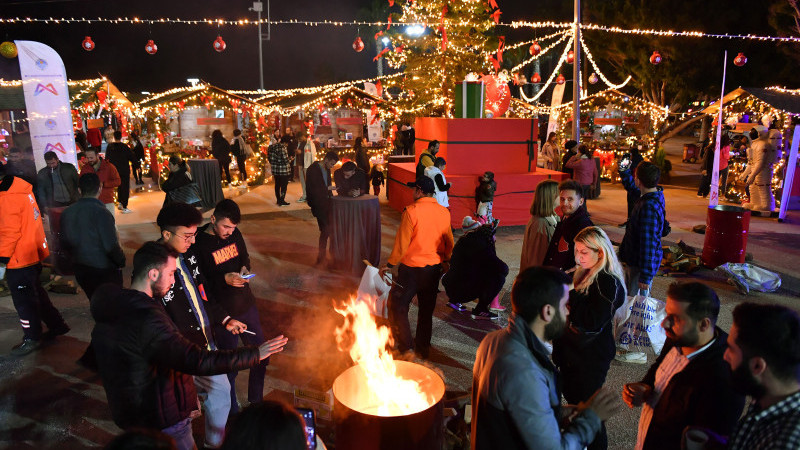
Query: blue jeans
x,y
214,392
227,341
182,433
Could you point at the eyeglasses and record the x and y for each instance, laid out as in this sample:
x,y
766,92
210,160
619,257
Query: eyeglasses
x,y
186,237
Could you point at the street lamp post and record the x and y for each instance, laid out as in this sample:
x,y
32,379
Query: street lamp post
x,y
259,7
576,71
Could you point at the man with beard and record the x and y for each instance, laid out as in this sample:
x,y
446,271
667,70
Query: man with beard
x,y
561,251
515,398
764,354
145,363
689,384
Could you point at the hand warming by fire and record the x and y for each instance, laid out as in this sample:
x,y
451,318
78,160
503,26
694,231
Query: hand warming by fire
x,y
376,384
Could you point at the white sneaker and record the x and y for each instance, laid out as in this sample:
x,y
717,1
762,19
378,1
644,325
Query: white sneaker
x,y
632,357
126,211
301,200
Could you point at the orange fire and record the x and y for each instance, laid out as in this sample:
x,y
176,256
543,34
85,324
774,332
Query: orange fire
x,y
386,393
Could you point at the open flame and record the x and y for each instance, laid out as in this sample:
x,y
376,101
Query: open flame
x,y
386,393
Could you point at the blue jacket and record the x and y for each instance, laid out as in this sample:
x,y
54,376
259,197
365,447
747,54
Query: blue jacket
x,y
516,403
641,246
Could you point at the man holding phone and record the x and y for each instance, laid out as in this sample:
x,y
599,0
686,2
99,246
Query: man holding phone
x,y
226,264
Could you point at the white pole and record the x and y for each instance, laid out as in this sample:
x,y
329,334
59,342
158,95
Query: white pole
x,y
788,179
576,70
713,198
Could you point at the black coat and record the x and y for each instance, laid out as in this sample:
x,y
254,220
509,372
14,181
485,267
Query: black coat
x,y
146,364
317,193
345,185
121,156
561,252
473,264
69,176
700,395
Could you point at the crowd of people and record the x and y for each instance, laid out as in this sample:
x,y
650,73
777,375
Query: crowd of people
x,y
173,335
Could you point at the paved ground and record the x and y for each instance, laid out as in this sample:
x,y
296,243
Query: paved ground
x,y
48,401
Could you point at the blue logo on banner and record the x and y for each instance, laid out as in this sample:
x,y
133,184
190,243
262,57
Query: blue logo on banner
x,y
50,124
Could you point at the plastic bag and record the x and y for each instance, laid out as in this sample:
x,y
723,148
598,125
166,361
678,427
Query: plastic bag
x,y
637,325
746,276
374,291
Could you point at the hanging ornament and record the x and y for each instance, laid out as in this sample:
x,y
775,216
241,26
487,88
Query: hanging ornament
x,y
358,44
8,49
219,44
151,47
593,78
655,58
570,57
87,44
536,78
498,95
740,59
535,49
560,79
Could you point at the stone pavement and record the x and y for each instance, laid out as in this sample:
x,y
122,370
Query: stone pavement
x,y
48,401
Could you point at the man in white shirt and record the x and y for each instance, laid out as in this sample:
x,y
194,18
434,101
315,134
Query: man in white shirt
x,y
689,384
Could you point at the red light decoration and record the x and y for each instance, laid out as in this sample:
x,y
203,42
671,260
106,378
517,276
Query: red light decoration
x,y
740,59
87,44
219,44
151,47
655,58
560,79
570,57
358,44
535,49
536,78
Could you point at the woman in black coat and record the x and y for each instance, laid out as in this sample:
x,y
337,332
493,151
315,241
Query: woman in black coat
x,y
585,350
221,151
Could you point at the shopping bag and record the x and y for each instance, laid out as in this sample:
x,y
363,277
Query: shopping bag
x,y
637,325
374,291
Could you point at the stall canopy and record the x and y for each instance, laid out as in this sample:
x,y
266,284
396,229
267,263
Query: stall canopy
x,y
778,99
81,93
203,93
335,97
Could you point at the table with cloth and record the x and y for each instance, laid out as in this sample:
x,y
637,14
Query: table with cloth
x,y
205,172
355,232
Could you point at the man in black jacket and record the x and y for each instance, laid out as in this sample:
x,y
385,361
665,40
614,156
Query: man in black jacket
x,y
318,192
350,181
57,183
121,156
143,359
223,259
561,252
690,383
196,317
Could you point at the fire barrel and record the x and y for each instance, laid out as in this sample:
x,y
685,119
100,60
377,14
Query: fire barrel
x,y
726,235
357,427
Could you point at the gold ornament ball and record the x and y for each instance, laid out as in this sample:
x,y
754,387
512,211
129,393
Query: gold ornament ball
x,y
8,49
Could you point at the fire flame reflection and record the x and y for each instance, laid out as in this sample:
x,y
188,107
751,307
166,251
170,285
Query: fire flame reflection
x,y
386,393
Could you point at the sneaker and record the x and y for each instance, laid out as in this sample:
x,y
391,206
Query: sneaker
x,y
457,306
53,332
632,357
25,347
484,315
126,211
497,308
301,200
119,207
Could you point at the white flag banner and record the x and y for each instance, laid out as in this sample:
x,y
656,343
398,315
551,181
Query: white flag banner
x,y
44,83
713,198
558,95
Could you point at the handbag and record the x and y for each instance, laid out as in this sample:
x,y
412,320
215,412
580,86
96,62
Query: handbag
x,y
188,193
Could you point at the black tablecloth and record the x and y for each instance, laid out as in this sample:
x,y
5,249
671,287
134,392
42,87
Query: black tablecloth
x,y
355,232
205,172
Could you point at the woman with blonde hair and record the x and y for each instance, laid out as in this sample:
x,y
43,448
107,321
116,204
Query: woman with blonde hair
x,y
541,225
585,350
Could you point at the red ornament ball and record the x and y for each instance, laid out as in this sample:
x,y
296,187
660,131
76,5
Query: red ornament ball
x,y
536,78
87,44
151,47
535,49
593,78
740,59
358,44
219,44
560,79
655,58
570,57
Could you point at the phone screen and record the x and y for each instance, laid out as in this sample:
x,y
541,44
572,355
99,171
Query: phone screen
x,y
248,276
624,163
311,427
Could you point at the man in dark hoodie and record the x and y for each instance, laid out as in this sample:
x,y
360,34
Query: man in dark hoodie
x,y
561,252
225,262
640,250
145,363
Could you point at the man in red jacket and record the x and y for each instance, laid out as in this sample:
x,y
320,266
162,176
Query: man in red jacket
x,y
23,247
109,177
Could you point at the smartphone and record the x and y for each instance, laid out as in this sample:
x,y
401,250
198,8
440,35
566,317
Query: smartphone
x,y
625,163
311,427
248,276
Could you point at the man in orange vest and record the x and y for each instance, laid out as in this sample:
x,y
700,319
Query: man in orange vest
x,y
422,250
23,247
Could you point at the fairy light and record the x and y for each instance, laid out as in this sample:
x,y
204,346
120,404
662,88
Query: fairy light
x,y
597,69
544,51
552,75
267,94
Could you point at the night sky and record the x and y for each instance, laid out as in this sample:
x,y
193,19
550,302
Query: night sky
x,y
296,56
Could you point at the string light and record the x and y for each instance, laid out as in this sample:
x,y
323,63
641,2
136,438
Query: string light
x,y
564,36
267,94
597,69
552,75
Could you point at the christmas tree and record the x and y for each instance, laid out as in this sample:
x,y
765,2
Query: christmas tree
x,y
448,40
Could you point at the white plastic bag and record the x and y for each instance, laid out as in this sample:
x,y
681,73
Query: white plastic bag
x,y
637,325
374,291
747,276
